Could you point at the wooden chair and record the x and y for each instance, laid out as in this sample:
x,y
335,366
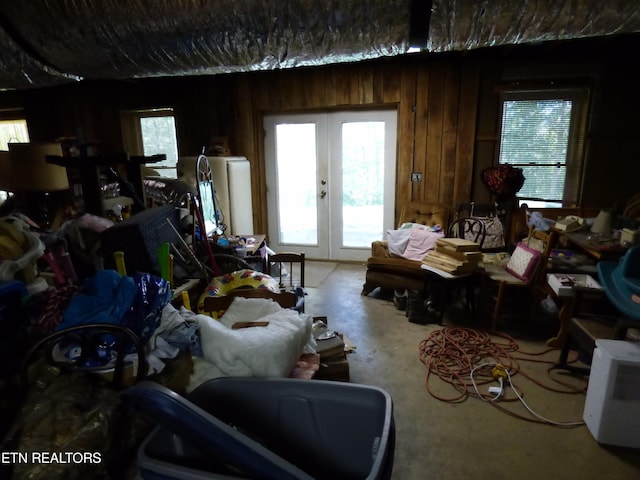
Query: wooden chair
x,y
286,277
523,291
589,323
289,278
230,263
469,228
222,302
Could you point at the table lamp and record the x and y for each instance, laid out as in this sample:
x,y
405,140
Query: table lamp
x,y
602,223
33,175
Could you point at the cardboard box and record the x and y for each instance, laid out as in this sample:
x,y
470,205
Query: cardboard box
x,y
564,284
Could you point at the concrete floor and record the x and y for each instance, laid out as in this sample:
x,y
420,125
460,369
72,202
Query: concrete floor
x,y
444,440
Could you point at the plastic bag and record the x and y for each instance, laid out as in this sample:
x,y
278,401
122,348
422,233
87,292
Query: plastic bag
x,y
104,298
108,297
153,294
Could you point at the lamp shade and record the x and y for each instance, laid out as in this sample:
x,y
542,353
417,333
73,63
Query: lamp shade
x,y
30,169
602,223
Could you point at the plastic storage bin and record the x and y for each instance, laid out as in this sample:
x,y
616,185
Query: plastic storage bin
x,y
267,428
14,324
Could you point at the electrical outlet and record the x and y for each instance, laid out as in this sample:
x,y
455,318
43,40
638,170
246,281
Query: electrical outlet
x,y
416,177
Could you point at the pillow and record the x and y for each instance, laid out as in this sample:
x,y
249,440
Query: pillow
x,y
523,262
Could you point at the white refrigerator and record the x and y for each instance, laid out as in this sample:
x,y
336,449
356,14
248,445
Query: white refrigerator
x,y
232,183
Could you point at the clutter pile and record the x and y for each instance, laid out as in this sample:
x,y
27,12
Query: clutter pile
x,y
331,347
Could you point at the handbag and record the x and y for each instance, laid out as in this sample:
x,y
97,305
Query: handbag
x,y
494,237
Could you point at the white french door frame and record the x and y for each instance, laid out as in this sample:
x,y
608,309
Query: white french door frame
x,y
329,181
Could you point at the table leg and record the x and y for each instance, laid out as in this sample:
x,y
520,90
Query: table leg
x,y
566,309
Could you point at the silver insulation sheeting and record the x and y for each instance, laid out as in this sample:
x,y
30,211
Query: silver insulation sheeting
x,y
18,69
47,42
116,39
467,24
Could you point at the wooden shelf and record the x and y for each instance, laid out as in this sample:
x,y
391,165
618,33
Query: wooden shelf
x,y
89,170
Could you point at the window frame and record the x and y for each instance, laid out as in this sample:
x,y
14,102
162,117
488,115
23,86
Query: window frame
x,y
131,128
577,137
15,115
9,115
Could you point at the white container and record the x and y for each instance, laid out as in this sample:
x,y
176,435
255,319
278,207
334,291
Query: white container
x,y
612,406
232,183
241,250
629,236
580,280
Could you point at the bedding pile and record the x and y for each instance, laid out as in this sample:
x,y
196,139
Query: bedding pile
x,y
413,240
261,351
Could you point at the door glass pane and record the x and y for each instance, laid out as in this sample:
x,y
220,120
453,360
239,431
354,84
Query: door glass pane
x,y
362,183
296,173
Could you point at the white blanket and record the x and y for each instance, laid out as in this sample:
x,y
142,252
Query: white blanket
x,y
270,351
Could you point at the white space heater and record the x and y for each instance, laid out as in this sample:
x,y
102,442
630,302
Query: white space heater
x,y
612,406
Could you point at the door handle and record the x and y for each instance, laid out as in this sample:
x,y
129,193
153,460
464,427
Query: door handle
x,y
323,193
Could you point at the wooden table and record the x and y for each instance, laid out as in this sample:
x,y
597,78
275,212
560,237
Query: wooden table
x,y
595,246
444,282
598,247
253,244
567,301
89,170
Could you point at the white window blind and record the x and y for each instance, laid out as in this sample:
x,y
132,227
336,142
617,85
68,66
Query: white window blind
x,y
535,137
543,134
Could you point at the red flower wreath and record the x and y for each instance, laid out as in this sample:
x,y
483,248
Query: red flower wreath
x,y
504,180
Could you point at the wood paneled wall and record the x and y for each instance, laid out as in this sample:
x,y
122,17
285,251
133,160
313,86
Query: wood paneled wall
x,y
446,103
435,102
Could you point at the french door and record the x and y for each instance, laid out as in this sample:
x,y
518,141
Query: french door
x,y
330,181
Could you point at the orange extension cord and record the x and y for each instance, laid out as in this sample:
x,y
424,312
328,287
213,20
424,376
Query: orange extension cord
x,y
452,354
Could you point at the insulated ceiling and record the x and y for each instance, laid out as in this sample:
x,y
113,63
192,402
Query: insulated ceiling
x,y
47,42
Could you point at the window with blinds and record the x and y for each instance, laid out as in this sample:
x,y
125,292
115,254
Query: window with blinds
x,y
543,134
